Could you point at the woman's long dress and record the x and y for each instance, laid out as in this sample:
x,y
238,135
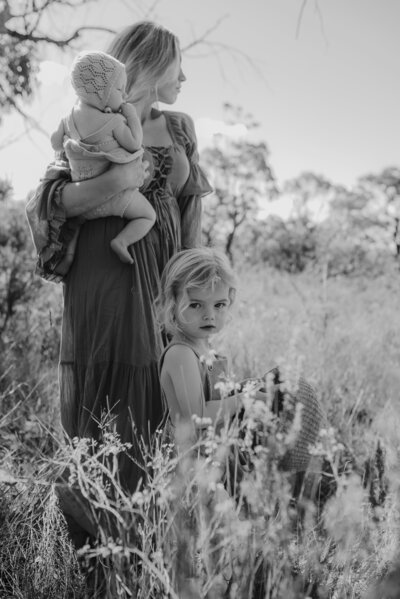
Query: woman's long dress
x,y
111,342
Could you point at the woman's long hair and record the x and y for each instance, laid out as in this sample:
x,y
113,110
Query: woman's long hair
x,y
147,50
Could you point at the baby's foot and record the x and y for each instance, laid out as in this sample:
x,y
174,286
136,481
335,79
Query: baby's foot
x,y
121,250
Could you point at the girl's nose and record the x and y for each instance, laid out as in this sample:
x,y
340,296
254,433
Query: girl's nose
x,y
209,315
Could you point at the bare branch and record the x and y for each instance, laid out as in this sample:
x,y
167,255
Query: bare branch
x,y
300,17
60,43
39,10
33,123
321,21
203,37
151,10
9,141
218,47
320,18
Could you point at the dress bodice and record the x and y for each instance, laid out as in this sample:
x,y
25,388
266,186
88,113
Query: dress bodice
x,y
169,169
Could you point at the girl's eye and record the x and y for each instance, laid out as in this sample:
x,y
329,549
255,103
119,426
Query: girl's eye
x,y
194,305
221,305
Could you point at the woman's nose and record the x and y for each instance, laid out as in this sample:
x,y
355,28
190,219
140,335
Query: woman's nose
x,y
182,76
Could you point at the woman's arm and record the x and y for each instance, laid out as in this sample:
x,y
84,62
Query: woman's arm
x,y
196,186
182,385
81,196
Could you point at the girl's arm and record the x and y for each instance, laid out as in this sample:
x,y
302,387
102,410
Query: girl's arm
x,y
129,135
81,196
183,388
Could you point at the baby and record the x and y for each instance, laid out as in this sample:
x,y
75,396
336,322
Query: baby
x,y
100,129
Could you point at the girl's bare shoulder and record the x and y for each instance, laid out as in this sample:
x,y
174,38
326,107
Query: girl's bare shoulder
x,y
180,355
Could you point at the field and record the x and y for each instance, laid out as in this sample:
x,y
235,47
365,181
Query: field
x,y
182,535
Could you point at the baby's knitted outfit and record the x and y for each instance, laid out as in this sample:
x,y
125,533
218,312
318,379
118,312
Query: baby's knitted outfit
x,y
89,160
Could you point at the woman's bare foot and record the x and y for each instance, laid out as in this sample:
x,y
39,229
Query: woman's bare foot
x,y
121,250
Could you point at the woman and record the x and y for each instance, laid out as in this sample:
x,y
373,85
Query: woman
x,y
111,343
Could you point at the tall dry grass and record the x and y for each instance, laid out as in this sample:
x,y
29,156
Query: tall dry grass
x,y
182,535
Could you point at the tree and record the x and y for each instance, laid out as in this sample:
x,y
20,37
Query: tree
x,y
24,31
310,193
384,190
6,190
242,179
30,309
27,30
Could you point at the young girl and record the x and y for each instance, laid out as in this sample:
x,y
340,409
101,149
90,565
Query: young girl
x,y
197,291
100,129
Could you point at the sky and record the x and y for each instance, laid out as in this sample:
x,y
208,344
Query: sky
x,y
326,94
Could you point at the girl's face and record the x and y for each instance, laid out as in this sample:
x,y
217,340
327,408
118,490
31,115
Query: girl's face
x,y
170,85
117,93
205,311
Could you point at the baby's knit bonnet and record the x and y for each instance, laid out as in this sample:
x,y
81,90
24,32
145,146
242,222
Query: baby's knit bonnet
x,y
93,75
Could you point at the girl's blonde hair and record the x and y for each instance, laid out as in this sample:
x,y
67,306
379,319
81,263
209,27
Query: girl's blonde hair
x,y
191,269
147,50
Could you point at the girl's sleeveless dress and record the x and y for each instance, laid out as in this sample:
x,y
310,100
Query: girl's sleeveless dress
x,y
111,343
210,374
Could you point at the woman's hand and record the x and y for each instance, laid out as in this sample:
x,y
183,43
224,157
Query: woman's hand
x,y
81,196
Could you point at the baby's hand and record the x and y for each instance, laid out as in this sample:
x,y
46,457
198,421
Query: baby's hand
x,y
128,110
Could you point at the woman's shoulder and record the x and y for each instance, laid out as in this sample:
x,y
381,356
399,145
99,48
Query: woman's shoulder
x,y
180,117
181,123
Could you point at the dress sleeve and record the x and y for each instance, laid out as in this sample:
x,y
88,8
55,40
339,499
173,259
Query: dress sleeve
x,y
51,230
196,186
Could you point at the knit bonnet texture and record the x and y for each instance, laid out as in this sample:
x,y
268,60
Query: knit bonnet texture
x,y
93,75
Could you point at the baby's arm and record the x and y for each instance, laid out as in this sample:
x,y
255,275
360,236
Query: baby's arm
x,y
57,138
184,393
129,135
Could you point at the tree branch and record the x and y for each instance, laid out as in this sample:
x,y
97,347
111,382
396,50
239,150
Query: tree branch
x,y
33,123
300,17
59,43
202,38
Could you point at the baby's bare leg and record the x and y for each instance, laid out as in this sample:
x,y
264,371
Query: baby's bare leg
x,y
142,216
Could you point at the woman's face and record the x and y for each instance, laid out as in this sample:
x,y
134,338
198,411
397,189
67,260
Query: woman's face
x,y
170,85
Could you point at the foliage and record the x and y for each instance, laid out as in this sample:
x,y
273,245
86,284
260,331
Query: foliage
x,y
337,331
182,535
310,193
38,560
288,245
24,30
6,190
385,190
30,310
242,179
331,228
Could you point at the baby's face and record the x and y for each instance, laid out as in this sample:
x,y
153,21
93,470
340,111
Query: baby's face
x,y
117,94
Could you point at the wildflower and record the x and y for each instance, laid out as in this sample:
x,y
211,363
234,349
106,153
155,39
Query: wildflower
x,y
201,422
208,358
